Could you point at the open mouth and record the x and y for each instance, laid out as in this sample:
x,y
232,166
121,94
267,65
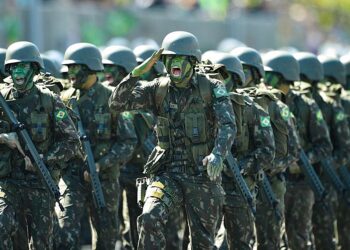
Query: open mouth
x,y
176,71
19,80
109,77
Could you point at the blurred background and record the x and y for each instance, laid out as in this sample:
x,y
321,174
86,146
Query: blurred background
x,y
313,25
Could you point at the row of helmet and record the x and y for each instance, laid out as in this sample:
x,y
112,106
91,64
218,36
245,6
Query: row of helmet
x,y
185,43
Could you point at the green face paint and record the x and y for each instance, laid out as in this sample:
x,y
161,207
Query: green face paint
x,y
114,73
22,75
180,69
272,79
78,75
248,74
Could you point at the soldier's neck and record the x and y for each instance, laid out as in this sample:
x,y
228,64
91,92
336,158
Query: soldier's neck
x,y
91,80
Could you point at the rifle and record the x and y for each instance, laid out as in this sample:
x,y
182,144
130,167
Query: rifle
x,y
95,181
270,196
332,176
345,176
242,185
39,163
312,177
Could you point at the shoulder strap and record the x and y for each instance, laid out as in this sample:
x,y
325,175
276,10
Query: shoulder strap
x,y
161,91
204,87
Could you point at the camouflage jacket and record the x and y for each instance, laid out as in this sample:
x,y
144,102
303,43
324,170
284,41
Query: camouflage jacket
x,y
336,120
50,127
112,136
188,127
254,146
312,129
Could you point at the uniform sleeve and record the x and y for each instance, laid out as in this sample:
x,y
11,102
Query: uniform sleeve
x,y
319,135
131,94
66,143
225,118
125,143
340,135
263,140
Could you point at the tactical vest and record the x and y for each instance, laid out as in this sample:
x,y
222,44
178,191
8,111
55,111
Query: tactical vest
x,y
191,137
35,110
270,103
96,117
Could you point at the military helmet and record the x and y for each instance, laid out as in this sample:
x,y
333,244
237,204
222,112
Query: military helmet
x,y
84,53
333,67
23,51
231,63
309,65
250,57
51,66
346,62
283,63
119,56
181,43
2,60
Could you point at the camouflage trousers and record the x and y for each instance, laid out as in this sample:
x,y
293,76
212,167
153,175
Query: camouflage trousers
x,y
35,207
238,219
324,218
268,228
76,198
343,224
130,234
201,198
299,200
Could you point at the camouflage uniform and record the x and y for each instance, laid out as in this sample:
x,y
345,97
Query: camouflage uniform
x,y
269,229
254,149
113,140
314,139
22,192
177,175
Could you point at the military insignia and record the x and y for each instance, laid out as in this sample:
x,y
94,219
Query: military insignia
x,y
340,116
265,121
126,115
173,105
220,92
60,114
285,113
319,116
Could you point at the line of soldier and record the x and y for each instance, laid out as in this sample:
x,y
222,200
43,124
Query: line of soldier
x,y
174,115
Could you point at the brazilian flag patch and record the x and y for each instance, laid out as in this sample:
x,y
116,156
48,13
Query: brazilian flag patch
x,y
220,92
340,116
265,121
319,116
127,115
60,114
285,113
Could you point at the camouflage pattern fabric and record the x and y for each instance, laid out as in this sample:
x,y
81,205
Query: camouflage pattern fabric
x,y
315,140
259,153
180,181
24,197
113,139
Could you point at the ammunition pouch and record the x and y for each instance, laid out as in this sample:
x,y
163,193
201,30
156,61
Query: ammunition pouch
x,y
103,126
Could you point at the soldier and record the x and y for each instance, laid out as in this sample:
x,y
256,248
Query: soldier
x,y
195,129
3,74
142,53
254,149
282,70
112,142
334,115
269,228
23,194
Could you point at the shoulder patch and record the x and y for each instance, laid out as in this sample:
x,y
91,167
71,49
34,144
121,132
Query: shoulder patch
x,y
265,121
340,116
127,115
319,116
220,92
60,114
285,113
